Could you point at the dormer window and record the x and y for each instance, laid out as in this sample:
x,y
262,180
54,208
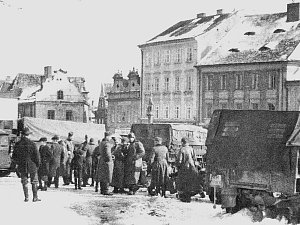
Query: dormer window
x,y
249,33
60,95
234,50
264,48
278,31
117,85
132,84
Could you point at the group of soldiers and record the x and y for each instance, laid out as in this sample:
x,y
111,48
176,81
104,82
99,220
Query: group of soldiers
x,y
110,163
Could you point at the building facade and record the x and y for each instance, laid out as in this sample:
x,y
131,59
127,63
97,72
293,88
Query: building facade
x,y
254,67
169,75
124,102
52,96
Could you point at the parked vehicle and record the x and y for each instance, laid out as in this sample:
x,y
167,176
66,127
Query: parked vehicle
x,y
253,161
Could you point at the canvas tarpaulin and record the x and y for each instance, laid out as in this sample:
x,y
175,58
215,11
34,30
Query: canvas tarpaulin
x,y
48,128
250,139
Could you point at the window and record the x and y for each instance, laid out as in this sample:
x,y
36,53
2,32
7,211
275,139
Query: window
x,y
167,79
238,81
271,107
177,112
209,82
189,83
148,85
167,112
272,81
51,114
189,55
239,106
178,55
230,129
255,106
223,82
60,95
156,112
177,83
147,59
69,115
254,81
167,56
223,105
157,58
188,113
156,84
208,110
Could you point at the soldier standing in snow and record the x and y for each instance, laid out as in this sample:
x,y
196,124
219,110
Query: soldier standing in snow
x,y
46,156
133,164
27,158
67,177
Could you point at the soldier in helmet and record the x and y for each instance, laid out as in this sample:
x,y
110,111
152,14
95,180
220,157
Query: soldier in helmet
x,y
27,158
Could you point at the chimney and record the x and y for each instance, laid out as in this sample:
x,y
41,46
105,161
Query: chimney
x,y
47,71
219,11
201,15
293,12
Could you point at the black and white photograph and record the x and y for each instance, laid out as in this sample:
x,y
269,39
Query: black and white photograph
x,y
154,112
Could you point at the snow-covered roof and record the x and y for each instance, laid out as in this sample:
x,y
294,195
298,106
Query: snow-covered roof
x,y
190,28
257,38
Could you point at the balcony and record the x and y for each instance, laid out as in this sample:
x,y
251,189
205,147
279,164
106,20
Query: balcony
x,y
188,92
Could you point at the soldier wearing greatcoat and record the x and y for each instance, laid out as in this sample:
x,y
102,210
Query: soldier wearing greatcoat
x,y
159,168
77,166
96,169
46,156
27,158
89,162
133,164
120,154
58,157
105,164
67,176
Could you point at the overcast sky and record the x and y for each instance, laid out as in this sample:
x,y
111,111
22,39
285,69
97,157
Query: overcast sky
x,y
94,38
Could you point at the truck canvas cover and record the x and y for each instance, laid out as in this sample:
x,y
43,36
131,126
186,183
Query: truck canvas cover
x,y
251,139
48,128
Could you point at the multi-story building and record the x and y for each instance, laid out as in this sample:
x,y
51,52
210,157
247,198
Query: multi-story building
x,y
254,66
50,96
169,75
124,102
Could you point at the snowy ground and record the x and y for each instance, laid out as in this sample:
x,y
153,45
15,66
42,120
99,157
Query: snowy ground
x,y
65,205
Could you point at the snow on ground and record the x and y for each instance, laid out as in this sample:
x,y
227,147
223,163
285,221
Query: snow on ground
x,y
65,205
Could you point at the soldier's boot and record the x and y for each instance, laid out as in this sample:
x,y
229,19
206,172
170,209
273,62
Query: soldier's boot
x,y
56,180
34,193
25,190
163,192
75,183
49,181
44,188
40,184
97,187
79,184
92,184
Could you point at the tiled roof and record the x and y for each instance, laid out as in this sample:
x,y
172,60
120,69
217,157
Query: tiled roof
x,y
189,28
257,38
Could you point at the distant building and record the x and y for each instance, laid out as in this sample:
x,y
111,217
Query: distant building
x,y
255,66
101,113
168,66
124,102
50,96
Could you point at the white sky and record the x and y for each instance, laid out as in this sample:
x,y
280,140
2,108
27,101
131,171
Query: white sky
x,y
94,38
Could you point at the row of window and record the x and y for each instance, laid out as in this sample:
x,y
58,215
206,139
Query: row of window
x,y
166,84
169,56
69,115
240,81
165,114
239,106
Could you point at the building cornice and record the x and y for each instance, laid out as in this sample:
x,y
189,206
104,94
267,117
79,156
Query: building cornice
x,y
166,42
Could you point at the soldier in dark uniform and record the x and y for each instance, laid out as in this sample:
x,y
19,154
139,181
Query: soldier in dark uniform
x,y
27,158
133,164
46,156
67,176
89,162
77,166
105,165
58,157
